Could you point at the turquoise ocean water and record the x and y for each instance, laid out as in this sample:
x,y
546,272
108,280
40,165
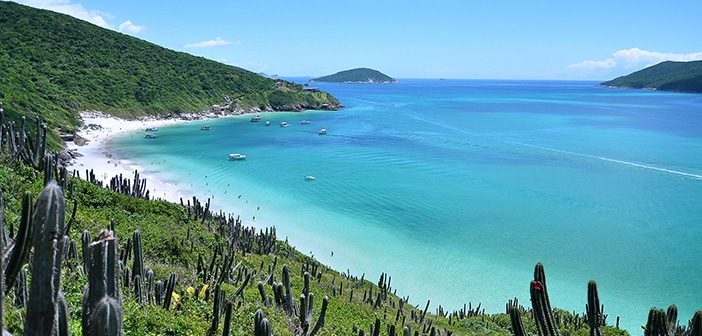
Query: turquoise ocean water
x,y
457,188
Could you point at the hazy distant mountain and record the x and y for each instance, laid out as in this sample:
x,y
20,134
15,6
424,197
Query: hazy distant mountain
x,y
665,76
357,76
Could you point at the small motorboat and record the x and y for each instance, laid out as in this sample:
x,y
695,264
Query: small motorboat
x,y
150,136
284,124
206,128
268,122
152,129
305,122
309,177
237,156
255,118
322,131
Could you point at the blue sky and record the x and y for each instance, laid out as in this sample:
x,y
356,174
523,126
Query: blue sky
x,y
472,39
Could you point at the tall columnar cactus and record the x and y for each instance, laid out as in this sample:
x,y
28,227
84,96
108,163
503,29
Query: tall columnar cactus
x,y
595,318
261,325
169,291
102,306
22,243
85,239
696,324
284,299
138,265
63,317
150,286
656,324
226,330
671,318
517,324
158,293
545,323
216,310
48,221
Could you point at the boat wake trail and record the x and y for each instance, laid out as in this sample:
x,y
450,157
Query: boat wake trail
x,y
601,158
621,162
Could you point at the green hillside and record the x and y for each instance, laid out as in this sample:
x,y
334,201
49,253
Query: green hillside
x,y
358,75
665,76
55,65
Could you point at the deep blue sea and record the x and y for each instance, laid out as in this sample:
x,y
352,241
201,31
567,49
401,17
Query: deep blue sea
x,y
457,188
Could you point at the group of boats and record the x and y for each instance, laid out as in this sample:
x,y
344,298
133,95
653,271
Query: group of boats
x,y
151,135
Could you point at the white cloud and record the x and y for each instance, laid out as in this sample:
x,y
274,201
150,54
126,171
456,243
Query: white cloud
x,y
591,65
75,10
636,57
130,28
626,60
211,43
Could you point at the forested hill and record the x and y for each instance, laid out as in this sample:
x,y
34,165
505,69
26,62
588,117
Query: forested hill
x,y
358,75
665,76
55,65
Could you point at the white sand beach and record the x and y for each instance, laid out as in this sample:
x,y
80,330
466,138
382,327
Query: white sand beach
x,y
96,129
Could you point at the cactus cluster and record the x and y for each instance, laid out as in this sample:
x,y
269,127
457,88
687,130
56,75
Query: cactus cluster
x,y
102,305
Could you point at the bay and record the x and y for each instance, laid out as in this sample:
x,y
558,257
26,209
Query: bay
x,y
457,188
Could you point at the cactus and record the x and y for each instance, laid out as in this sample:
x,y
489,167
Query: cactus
x,y
320,319
261,325
656,324
22,245
158,293
85,239
216,310
262,292
594,315
696,324
138,292
671,317
169,291
226,330
543,314
102,308
138,265
150,286
63,316
48,220
517,324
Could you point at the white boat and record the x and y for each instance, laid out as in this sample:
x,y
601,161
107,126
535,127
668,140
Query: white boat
x,y
284,124
309,177
322,131
152,129
237,156
206,128
151,136
305,122
268,122
256,118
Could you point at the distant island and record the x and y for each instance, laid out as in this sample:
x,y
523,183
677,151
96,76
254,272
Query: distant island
x,y
357,76
664,76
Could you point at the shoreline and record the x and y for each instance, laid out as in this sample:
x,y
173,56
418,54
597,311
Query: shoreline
x,y
98,128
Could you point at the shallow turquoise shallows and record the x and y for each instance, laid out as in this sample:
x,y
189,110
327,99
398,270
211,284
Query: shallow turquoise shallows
x,y
457,188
